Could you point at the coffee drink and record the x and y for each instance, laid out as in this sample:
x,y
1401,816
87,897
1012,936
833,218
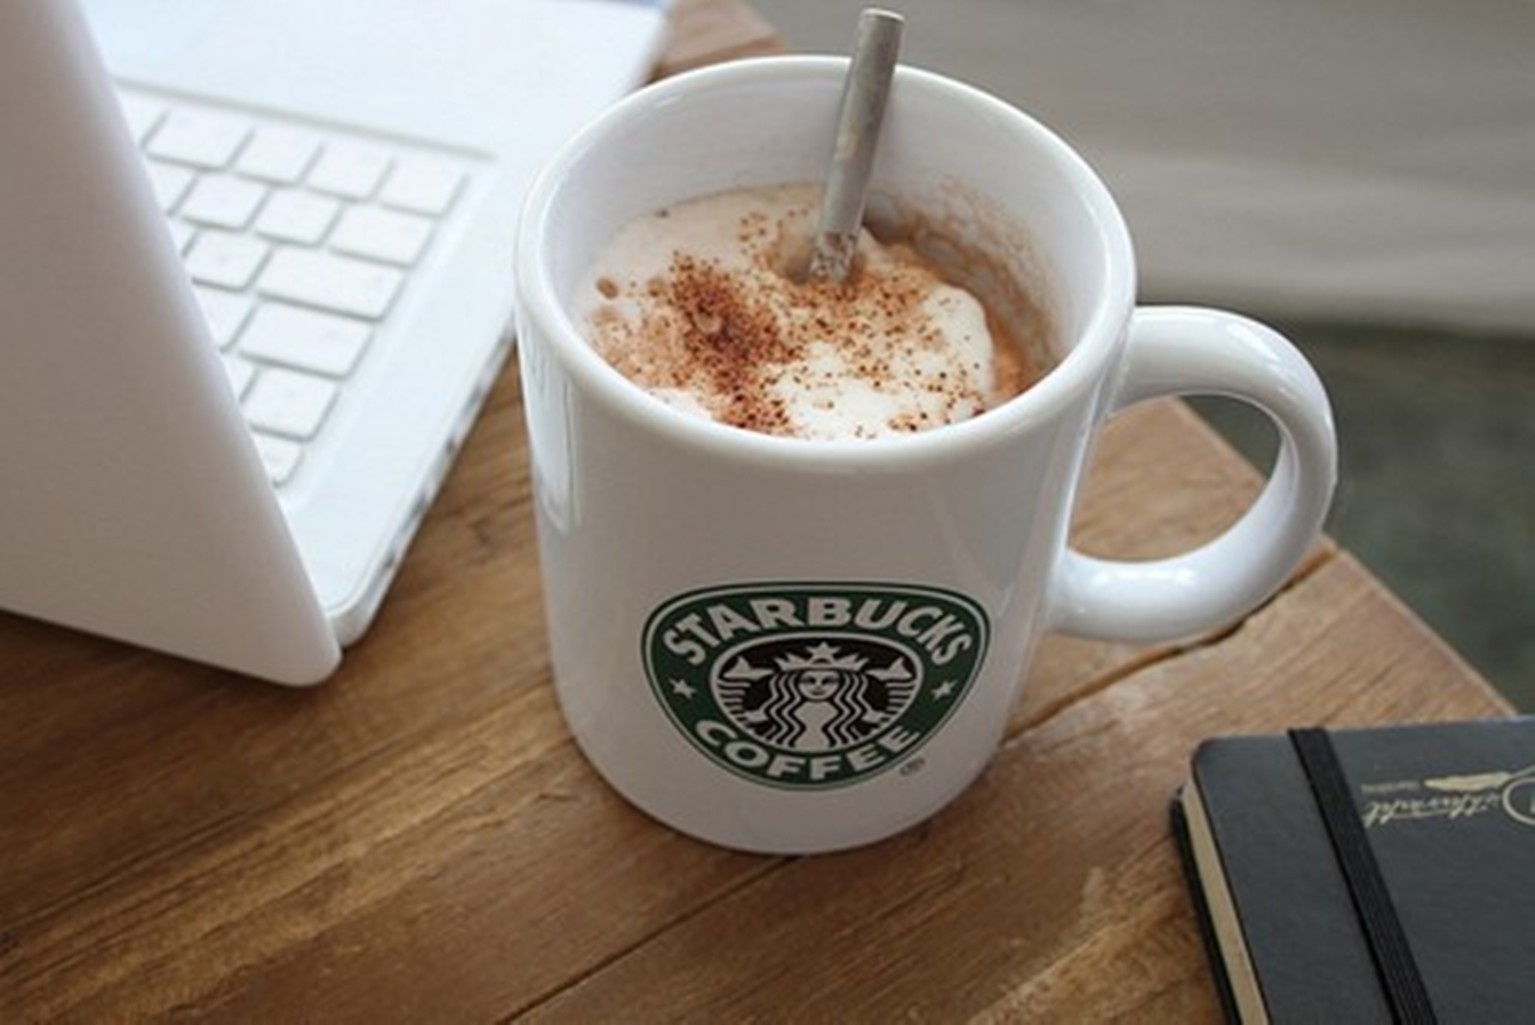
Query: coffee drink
x,y
705,304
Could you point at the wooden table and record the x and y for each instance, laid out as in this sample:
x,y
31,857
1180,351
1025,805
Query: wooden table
x,y
418,840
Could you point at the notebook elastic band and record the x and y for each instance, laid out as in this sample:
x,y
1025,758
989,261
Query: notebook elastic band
x,y
1383,931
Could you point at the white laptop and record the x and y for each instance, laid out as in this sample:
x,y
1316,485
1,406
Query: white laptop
x,y
217,440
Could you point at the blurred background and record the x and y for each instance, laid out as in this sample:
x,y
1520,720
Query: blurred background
x,y
1359,174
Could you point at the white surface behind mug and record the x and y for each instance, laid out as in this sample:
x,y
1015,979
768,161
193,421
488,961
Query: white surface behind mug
x,y
791,646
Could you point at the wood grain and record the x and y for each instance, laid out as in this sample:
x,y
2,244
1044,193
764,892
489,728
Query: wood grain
x,y
418,839
710,31
1051,887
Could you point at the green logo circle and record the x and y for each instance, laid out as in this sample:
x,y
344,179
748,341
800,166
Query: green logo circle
x,y
810,686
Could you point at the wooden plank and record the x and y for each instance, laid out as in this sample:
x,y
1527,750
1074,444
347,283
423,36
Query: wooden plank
x,y
710,31
1051,887
446,874
436,876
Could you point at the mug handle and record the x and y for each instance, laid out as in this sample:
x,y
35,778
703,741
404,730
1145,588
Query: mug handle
x,y
1187,350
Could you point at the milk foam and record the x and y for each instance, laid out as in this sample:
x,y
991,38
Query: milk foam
x,y
695,304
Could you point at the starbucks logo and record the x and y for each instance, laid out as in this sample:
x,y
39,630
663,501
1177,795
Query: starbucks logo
x,y
813,685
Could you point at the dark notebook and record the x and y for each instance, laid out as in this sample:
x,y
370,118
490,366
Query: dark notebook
x,y
1356,876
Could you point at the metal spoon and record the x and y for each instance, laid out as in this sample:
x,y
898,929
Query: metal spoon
x,y
858,122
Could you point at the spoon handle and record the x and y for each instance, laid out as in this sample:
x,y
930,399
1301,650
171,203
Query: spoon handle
x,y
858,122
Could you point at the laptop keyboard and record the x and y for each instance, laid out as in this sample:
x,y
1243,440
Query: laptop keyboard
x,y
299,242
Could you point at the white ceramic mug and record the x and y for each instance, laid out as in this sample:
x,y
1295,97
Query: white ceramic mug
x,y
784,645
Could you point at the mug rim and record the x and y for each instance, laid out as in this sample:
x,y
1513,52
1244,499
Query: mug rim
x,y
1079,370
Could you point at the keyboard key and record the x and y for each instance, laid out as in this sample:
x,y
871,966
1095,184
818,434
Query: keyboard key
x,y
279,456
224,259
335,283
422,185
240,373
181,235
382,235
289,403
278,154
170,183
142,115
200,138
226,313
305,339
349,169
223,202
293,216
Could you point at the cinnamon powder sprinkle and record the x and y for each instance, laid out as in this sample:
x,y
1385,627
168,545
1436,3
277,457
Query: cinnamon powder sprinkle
x,y
739,337
731,338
